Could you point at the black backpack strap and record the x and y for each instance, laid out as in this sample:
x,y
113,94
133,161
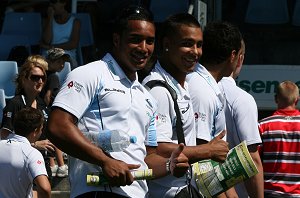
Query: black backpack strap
x,y
179,129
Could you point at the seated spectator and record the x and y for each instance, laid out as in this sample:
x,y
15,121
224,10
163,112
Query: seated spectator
x,y
61,30
56,57
60,170
21,165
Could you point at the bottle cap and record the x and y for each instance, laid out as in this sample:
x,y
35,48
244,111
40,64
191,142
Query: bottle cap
x,y
133,139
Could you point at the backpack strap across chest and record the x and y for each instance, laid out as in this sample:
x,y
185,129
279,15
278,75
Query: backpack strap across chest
x,y
179,129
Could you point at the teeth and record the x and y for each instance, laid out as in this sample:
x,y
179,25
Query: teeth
x,y
190,59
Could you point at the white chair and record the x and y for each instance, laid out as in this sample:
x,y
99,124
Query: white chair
x,y
2,103
267,12
62,75
8,73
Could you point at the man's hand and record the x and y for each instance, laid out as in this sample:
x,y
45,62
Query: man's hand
x,y
118,172
45,145
179,162
218,148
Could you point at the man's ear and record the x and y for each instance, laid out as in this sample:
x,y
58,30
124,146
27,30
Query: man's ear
x,y
35,133
233,56
296,102
240,60
116,39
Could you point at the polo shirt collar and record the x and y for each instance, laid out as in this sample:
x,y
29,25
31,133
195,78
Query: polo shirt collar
x,y
287,112
114,68
171,81
230,79
18,138
202,71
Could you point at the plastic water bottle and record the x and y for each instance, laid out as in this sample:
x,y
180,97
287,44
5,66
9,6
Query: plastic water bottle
x,y
111,140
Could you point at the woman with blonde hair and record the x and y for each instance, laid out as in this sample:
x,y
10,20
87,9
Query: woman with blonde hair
x,y
60,170
30,82
38,59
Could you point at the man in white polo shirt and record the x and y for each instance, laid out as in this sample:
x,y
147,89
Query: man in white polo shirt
x,y
242,124
222,42
181,49
21,165
221,45
104,95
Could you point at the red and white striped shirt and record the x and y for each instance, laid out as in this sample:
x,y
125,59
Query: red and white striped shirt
x,y
280,152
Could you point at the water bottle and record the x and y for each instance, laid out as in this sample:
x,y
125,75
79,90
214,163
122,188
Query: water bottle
x,y
111,140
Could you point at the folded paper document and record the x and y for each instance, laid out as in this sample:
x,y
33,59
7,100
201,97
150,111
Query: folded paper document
x,y
213,178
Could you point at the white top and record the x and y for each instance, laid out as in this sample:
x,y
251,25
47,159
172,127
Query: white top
x,y
241,118
208,103
169,185
20,163
101,94
62,33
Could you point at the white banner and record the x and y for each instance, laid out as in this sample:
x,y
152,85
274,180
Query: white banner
x,y
261,81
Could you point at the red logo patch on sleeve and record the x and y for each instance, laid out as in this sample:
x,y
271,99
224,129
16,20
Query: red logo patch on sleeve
x,y
70,84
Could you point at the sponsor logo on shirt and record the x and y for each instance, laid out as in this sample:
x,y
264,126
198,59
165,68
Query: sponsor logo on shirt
x,y
161,118
76,85
203,117
186,109
70,84
200,116
114,89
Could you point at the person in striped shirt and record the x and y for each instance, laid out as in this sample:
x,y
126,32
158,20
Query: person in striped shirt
x,y
280,151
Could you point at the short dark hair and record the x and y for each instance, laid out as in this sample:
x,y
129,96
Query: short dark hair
x,y
28,120
132,12
172,22
219,40
170,25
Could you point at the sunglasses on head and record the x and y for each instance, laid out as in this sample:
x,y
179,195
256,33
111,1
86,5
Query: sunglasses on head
x,y
135,10
36,78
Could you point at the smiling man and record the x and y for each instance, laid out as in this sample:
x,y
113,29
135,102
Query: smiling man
x,y
106,94
181,41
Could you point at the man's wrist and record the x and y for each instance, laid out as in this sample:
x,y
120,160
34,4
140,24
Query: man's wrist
x,y
168,166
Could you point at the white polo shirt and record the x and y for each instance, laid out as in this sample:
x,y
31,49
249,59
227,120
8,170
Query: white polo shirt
x,y
20,163
99,94
208,103
169,185
241,118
